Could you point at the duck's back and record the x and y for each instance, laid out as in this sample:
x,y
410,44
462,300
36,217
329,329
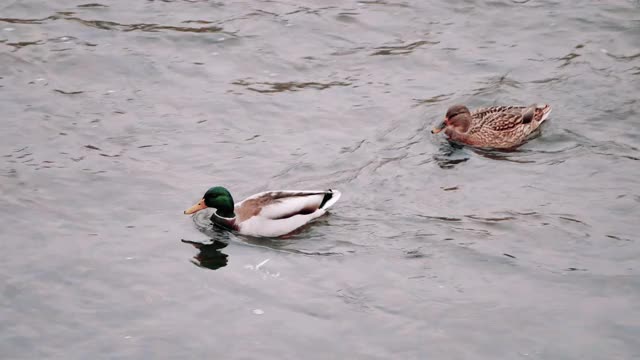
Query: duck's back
x,y
504,127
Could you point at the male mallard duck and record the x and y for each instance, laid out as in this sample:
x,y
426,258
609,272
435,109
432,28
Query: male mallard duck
x,y
497,127
268,214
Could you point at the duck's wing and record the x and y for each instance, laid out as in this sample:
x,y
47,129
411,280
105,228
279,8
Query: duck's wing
x,y
482,113
277,205
506,118
499,118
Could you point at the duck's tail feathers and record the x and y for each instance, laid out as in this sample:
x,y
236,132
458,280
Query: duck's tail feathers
x,y
330,198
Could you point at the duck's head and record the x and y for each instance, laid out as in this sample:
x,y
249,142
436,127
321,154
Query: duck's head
x,y
217,198
457,117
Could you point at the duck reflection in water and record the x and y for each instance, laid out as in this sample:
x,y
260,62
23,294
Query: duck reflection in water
x,y
449,155
210,255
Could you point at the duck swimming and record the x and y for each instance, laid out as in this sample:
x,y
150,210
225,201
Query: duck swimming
x,y
266,214
496,127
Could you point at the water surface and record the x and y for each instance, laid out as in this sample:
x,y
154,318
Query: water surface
x,y
118,115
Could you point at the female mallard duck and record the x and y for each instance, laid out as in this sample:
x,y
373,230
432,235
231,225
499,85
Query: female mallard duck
x,y
497,127
268,214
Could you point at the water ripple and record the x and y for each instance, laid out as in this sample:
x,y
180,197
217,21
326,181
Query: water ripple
x,y
401,49
112,25
266,87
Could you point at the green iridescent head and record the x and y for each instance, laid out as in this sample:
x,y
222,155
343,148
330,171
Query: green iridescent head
x,y
218,198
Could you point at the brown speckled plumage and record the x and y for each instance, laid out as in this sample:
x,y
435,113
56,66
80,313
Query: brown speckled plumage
x,y
497,127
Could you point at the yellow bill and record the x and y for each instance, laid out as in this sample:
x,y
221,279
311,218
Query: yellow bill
x,y
440,127
195,208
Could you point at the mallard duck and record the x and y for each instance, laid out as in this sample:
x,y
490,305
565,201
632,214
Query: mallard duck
x,y
496,127
267,214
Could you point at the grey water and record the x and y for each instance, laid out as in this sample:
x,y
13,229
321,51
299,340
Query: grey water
x,y
117,115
